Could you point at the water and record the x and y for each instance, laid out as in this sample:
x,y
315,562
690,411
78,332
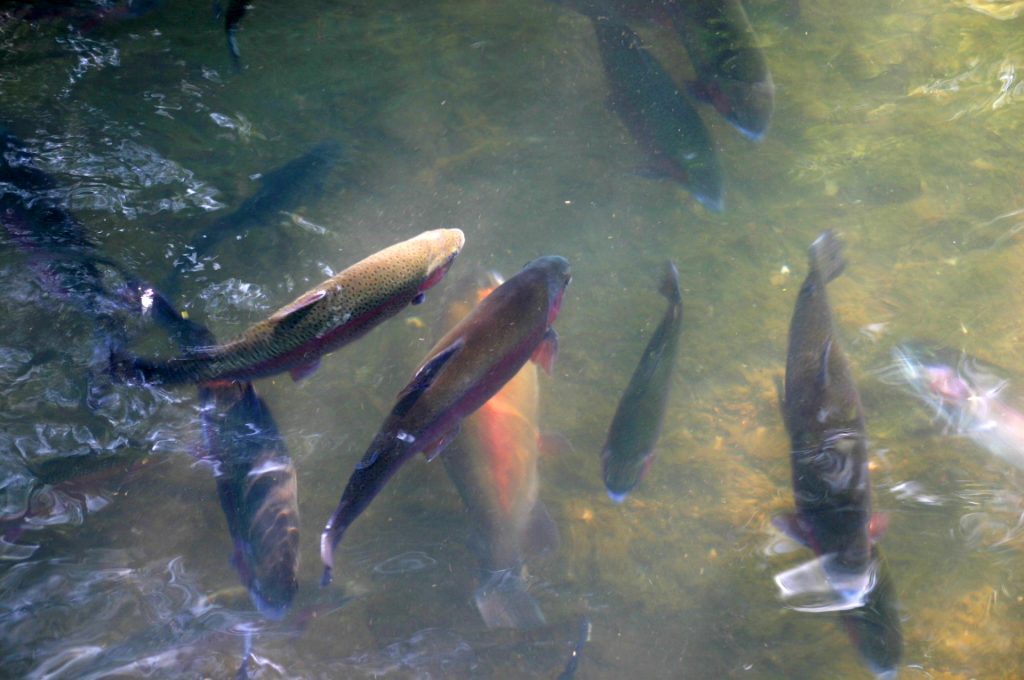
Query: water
x,y
897,125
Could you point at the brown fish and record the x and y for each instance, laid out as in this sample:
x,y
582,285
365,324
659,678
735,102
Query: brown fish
x,y
334,313
493,464
463,370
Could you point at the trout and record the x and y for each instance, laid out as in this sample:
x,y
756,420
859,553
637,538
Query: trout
x,y
732,72
258,492
256,480
825,422
460,373
629,449
875,628
664,124
321,320
493,464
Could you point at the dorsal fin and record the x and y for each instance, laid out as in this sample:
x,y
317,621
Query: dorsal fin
x,y
424,378
303,302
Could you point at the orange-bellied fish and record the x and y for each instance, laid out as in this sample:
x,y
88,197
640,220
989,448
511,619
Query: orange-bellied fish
x,y
334,313
828,444
493,463
460,373
635,428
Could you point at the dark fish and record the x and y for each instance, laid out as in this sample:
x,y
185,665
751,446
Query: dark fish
x,y
283,189
875,629
232,18
569,672
336,312
732,72
258,492
64,257
256,480
463,370
823,415
664,124
493,463
629,449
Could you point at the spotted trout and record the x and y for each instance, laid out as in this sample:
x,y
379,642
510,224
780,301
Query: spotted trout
x,y
459,374
629,449
321,320
823,415
664,124
493,464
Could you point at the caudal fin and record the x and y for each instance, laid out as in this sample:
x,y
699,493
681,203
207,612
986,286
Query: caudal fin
x,y
503,602
826,256
127,369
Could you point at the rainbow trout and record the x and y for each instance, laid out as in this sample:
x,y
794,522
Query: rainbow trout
x,y
334,313
664,124
460,373
732,72
825,422
258,492
629,449
256,480
493,463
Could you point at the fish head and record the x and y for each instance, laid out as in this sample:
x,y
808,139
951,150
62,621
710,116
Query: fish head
x,y
556,273
747,105
443,246
273,602
622,473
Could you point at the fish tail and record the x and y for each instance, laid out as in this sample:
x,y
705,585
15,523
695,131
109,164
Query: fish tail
x,y
826,255
503,602
670,283
128,369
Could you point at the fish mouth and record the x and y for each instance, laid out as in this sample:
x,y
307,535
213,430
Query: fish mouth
x,y
439,266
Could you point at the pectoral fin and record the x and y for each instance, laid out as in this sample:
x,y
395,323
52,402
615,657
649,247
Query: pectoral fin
x,y
789,524
547,351
304,302
305,370
431,452
424,378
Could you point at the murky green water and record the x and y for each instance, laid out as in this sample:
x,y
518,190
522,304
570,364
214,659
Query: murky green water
x,y
899,125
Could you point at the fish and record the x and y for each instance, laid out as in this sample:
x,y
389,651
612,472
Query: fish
x,y
232,18
283,189
828,441
258,491
63,256
665,125
629,449
875,628
464,369
493,464
256,480
569,672
968,395
732,71
336,312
